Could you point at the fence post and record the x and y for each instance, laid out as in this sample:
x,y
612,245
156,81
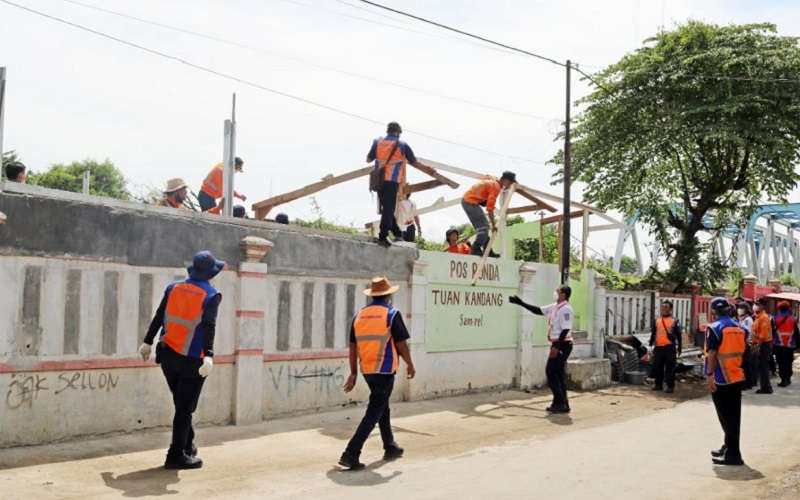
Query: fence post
x,y
600,308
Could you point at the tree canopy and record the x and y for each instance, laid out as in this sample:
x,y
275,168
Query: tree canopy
x,y
105,178
701,122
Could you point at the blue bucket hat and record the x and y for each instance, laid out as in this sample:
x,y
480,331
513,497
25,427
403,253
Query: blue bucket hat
x,y
204,266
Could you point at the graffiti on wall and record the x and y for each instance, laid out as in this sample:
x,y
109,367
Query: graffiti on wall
x,y
291,379
25,388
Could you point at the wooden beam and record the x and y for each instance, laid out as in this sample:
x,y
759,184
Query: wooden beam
x,y
538,201
506,200
527,208
439,177
262,208
437,205
422,186
451,169
603,227
559,218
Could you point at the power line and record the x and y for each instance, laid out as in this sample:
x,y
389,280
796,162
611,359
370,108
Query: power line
x,y
509,47
251,84
292,58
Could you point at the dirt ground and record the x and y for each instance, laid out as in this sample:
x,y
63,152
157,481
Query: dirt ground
x,y
497,442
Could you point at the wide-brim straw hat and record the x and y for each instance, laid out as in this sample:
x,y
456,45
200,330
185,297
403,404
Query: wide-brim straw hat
x,y
380,286
174,185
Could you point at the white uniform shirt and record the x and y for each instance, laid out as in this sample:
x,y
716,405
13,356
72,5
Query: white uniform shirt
x,y
406,207
560,317
747,324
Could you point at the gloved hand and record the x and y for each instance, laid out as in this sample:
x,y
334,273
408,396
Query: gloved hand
x,y
144,351
208,364
515,300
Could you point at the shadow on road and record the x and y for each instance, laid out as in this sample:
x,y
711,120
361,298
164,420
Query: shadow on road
x,y
143,483
364,477
737,473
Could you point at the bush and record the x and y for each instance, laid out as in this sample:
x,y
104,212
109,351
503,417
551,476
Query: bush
x,y
789,279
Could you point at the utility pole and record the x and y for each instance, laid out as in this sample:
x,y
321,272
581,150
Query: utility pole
x,y
2,105
565,237
228,156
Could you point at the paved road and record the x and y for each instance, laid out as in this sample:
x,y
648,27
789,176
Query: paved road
x,y
622,442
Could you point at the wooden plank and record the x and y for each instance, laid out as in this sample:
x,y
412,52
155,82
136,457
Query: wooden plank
x,y
451,169
603,227
436,175
267,205
506,199
526,208
437,205
422,186
538,201
559,218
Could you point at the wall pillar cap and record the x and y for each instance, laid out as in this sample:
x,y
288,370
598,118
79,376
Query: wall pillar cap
x,y
254,248
527,271
417,266
750,279
599,279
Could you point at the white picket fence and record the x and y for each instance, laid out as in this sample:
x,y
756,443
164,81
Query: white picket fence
x,y
630,313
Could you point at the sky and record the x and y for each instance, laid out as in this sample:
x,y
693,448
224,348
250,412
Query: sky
x,y
72,94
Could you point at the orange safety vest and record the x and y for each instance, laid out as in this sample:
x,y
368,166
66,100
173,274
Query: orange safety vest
x,y
395,170
212,184
731,350
664,326
182,330
169,202
461,248
762,328
785,327
486,190
376,349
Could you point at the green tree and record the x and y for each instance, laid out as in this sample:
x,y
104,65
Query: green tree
x,y
105,179
694,129
628,265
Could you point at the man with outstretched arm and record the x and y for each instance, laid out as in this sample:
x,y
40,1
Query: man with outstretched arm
x,y
559,332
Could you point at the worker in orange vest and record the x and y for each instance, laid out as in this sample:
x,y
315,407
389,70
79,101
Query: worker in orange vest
x,y
666,335
484,194
761,341
211,190
453,246
785,340
186,319
724,349
174,194
378,336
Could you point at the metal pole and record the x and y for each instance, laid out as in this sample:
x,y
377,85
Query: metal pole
x,y
2,105
86,180
565,245
228,156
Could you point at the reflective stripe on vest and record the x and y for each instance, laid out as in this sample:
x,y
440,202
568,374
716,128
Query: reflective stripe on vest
x,y
396,165
664,326
182,330
482,191
376,349
212,184
729,356
785,327
555,335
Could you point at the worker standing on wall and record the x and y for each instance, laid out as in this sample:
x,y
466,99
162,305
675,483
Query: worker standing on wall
x,y
211,190
187,318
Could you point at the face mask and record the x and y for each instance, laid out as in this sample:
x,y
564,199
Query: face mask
x,y
555,295
741,312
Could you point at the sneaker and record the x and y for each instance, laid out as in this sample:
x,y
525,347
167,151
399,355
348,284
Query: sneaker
x,y
351,462
494,254
764,391
182,461
384,243
392,451
728,461
398,239
557,409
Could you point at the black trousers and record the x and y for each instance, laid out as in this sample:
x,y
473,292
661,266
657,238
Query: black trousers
x,y
410,233
728,403
785,357
664,358
185,384
747,364
206,201
388,199
378,413
764,357
556,371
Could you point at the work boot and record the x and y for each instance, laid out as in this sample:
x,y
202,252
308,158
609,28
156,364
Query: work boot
x,y
384,242
764,391
182,461
728,461
670,390
720,452
494,254
657,388
782,383
392,451
350,461
557,409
